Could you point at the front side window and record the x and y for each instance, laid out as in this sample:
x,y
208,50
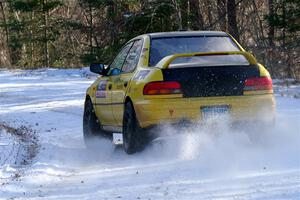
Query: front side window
x,y
162,47
116,65
133,56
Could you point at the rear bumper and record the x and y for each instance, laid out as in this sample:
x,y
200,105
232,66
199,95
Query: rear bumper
x,y
151,112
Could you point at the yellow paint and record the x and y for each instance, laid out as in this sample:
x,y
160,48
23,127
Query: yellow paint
x,y
263,71
166,61
236,42
158,109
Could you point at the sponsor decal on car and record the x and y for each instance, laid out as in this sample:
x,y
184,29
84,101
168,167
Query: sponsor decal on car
x,y
141,75
101,89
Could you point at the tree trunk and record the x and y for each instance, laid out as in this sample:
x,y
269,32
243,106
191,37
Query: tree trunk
x,y
209,15
260,24
91,29
284,23
188,15
271,32
46,52
197,21
179,16
231,17
6,32
271,36
221,10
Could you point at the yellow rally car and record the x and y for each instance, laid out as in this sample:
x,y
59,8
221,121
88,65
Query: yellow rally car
x,y
166,78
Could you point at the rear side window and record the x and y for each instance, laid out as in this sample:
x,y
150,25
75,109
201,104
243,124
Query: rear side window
x,y
133,56
162,47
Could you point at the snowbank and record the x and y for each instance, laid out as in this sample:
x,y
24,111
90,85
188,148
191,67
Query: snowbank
x,y
50,72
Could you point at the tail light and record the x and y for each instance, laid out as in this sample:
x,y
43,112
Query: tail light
x,y
260,83
161,87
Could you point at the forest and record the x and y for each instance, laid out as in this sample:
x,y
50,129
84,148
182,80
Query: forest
x,y
74,33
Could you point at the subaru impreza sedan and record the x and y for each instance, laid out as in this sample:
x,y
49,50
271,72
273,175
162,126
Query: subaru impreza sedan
x,y
165,78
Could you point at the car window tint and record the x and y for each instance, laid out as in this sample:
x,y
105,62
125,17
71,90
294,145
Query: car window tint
x,y
133,56
116,65
162,47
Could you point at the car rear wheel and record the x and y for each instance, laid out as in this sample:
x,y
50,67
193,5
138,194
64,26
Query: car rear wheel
x,y
92,132
133,140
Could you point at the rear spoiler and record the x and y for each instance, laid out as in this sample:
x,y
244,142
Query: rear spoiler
x,y
166,61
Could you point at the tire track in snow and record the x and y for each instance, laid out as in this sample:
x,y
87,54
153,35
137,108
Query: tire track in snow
x,y
22,146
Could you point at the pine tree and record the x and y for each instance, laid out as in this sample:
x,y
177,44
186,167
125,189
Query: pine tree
x,y
31,29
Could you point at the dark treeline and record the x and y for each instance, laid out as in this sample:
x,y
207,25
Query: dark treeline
x,y
73,33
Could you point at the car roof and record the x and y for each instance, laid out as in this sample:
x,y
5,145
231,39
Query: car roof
x,y
186,33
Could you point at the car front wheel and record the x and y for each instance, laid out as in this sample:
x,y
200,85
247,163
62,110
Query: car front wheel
x,y
92,131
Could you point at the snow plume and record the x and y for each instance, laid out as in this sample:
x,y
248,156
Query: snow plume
x,y
100,147
216,147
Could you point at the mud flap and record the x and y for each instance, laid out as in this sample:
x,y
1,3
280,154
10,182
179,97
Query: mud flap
x,y
117,138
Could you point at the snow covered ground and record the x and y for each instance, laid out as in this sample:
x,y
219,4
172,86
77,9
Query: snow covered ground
x,y
199,164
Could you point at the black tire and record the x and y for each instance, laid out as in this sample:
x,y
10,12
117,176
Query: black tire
x,y
91,126
133,137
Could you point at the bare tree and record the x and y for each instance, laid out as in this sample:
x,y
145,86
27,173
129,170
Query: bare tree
x,y
6,29
271,28
179,16
198,19
221,7
46,51
231,18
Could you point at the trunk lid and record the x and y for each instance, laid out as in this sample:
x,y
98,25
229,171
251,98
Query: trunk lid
x,y
211,81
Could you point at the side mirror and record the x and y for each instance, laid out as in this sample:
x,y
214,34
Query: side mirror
x,y
97,68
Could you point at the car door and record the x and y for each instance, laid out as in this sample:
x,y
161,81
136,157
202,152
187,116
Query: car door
x,y
102,100
104,90
120,83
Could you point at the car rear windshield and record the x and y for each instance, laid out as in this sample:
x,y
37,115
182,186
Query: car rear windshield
x,y
162,47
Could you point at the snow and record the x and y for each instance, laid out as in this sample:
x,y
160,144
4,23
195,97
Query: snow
x,y
287,88
206,163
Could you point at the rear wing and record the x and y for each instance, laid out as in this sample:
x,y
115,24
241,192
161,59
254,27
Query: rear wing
x,y
166,61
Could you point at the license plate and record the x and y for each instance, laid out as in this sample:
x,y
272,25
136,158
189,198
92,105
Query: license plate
x,y
209,112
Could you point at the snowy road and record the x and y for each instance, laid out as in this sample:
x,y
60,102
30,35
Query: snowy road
x,y
204,164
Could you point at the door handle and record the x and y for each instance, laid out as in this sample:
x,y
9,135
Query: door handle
x,y
109,86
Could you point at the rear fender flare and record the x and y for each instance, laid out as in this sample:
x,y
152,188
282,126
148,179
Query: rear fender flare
x,y
128,99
